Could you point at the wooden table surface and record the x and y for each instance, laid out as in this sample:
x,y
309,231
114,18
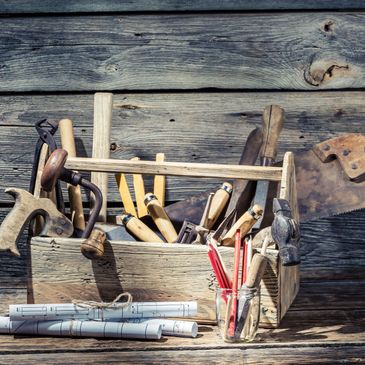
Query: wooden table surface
x,y
326,325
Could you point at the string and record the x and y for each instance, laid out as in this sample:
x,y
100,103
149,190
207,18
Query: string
x,y
101,305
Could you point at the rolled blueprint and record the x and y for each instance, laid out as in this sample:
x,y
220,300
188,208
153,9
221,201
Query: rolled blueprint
x,y
50,312
75,328
171,327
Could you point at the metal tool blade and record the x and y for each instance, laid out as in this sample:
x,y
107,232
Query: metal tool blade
x,y
192,209
323,188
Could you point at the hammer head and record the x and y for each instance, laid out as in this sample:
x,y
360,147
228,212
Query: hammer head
x,y
26,208
285,232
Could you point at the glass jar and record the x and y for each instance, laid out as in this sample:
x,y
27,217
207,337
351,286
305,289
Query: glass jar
x,y
238,316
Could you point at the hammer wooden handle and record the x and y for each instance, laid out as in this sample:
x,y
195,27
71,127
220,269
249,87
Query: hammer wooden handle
x,y
219,201
74,192
160,218
244,224
257,270
159,182
273,120
139,229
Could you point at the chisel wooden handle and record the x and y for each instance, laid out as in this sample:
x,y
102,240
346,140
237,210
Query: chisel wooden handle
x,y
125,194
257,270
244,224
219,201
160,217
159,182
139,192
139,229
273,120
74,192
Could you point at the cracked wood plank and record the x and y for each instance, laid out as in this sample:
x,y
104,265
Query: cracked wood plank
x,y
297,51
82,6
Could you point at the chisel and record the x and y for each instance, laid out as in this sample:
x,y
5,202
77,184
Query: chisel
x,y
273,120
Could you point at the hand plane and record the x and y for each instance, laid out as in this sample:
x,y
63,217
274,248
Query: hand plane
x,y
27,207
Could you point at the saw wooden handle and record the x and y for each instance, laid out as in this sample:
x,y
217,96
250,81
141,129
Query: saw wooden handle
x,y
273,120
219,201
244,224
74,192
257,270
160,218
139,229
26,207
349,151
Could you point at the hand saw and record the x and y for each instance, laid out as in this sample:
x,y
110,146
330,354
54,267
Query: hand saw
x,y
330,177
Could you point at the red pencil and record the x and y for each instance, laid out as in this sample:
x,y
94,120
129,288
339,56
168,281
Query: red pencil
x,y
236,268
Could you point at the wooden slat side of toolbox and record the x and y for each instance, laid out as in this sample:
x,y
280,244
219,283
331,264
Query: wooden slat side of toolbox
x,y
149,271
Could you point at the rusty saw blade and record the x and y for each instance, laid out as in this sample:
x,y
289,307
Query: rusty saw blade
x,y
331,177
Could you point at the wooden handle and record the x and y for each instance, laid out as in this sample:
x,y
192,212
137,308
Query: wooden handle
x,y
160,218
53,169
159,183
139,229
125,194
219,201
273,120
103,108
257,270
139,192
26,207
74,192
93,247
244,224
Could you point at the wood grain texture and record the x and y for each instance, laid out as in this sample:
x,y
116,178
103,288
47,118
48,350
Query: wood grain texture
x,y
82,6
287,355
149,271
225,118
297,51
175,168
103,110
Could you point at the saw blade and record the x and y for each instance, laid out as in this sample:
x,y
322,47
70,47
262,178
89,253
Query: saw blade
x,y
323,188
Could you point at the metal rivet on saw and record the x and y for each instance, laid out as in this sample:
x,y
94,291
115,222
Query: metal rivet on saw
x,y
59,231
345,152
354,166
326,147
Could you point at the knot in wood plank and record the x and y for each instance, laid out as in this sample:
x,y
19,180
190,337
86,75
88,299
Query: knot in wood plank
x,y
323,72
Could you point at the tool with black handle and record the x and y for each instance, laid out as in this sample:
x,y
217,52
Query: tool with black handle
x,y
273,120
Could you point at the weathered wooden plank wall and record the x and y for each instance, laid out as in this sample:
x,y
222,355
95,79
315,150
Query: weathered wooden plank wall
x,y
303,51
192,74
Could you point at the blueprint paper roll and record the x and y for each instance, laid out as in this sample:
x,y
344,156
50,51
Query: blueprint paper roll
x,y
51,312
75,328
171,327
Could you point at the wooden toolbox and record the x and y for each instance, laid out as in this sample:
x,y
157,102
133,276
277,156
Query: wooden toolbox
x,y
155,271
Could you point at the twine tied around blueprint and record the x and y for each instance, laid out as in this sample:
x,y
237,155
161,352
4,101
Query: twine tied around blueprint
x,y
101,305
